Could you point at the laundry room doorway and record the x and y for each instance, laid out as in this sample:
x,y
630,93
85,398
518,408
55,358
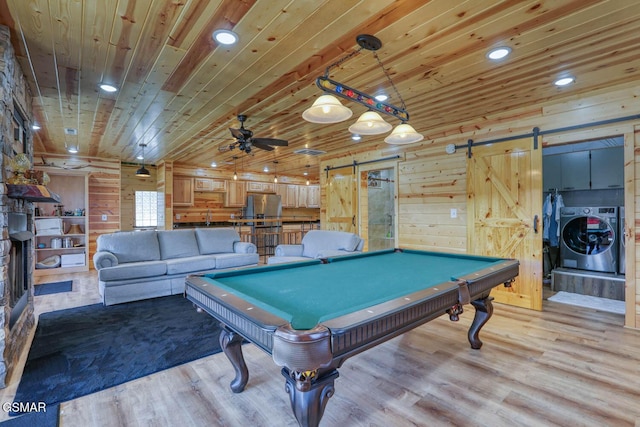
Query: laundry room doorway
x,y
584,197
378,206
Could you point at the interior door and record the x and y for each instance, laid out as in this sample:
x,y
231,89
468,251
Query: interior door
x,y
342,201
504,186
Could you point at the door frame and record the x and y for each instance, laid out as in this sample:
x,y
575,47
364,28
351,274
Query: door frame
x,y
363,201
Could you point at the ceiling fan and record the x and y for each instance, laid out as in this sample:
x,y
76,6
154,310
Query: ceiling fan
x,y
246,142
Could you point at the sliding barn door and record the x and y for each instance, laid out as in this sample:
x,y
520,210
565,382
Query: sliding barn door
x,y
504,186
342,200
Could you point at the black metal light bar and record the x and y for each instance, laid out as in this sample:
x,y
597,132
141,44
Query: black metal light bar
x,y
346,92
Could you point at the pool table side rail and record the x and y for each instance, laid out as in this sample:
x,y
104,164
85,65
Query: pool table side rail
x,y
486,279
228,309
356,332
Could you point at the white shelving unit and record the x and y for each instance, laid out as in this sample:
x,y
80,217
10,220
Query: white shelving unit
x,y
73,190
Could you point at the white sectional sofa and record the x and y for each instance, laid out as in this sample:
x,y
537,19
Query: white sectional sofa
x,y
135,265
318,244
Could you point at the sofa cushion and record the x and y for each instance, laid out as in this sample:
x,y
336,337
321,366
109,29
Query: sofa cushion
x,y
131,246
315,241
190,264
216,240
235,260
133,270
177,244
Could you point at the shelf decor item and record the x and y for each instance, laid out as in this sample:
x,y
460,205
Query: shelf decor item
x,y
20,164
75,229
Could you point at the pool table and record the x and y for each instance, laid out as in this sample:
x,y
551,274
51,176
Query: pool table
x,y
311,316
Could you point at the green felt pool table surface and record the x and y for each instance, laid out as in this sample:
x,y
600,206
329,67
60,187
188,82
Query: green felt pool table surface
x,y
308,293
311,316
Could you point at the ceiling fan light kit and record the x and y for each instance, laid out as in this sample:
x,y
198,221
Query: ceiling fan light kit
x,y
328,109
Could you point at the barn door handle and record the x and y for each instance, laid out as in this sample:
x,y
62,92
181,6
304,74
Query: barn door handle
x,y
535,224
353,220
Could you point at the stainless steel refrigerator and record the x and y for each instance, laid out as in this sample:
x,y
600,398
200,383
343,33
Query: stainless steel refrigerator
x,y
263,206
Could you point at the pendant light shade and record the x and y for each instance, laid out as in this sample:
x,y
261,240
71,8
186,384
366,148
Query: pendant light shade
x,y
143,172
327,109
403,134
370,123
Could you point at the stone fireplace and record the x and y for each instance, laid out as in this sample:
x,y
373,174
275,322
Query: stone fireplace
x,y
16,214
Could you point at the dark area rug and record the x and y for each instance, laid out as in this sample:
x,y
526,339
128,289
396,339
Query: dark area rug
x,y
82,350
53,288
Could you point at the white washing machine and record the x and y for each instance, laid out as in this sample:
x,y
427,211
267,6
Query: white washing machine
x,y
589,238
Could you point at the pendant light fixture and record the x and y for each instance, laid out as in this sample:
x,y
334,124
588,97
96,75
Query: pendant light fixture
x,y
235,171
275,171
142,172
328,109
370,123
403,134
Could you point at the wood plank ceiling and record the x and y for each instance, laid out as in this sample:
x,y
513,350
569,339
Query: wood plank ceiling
x,y
180,91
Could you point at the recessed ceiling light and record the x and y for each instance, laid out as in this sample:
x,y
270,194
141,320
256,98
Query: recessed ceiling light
x,y
35,126
356,137
381,97
498,53
225,37
214,164
108,88
140,157
266,169
564,81
73,149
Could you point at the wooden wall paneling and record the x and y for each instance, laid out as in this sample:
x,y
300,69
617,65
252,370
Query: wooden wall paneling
x,y
631,186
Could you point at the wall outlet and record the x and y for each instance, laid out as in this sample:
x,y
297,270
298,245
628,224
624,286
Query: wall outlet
x,y
233,216
178,216
104,217
454,213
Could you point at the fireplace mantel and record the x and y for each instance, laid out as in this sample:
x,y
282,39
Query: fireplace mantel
x,y
32,193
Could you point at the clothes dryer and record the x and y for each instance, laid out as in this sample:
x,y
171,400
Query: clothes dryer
x,y
588,238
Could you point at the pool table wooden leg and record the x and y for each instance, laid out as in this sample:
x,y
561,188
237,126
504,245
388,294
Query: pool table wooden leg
x,y
309,393
231,344
484,310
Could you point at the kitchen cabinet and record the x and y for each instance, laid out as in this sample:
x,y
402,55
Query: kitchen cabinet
x,y
313,196
61,230
182,191
261,187
607,168
236,195
308,196
209,184
288,195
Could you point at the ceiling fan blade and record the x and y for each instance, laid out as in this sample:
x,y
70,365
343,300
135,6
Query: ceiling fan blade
x,y
259,144
270,141
237,133
224,148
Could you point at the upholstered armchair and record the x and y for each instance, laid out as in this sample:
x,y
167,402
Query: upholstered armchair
x,y
318,244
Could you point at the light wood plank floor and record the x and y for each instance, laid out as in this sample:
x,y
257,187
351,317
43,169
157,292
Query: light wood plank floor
x,y
559,367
